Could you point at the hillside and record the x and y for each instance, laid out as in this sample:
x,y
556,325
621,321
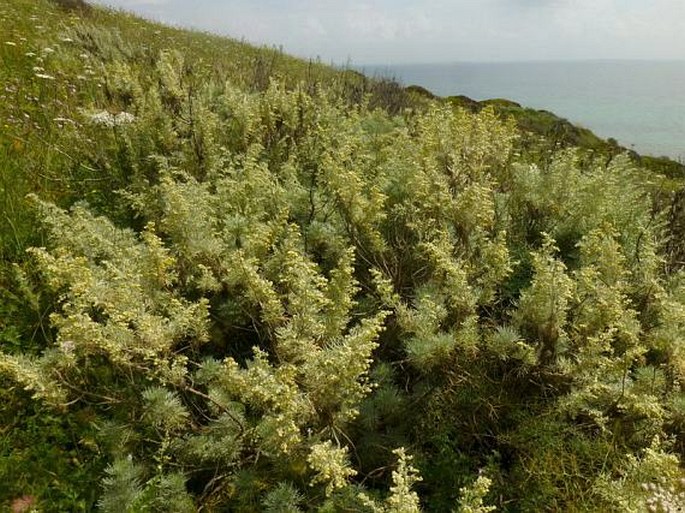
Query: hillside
x,y
544,128
232,280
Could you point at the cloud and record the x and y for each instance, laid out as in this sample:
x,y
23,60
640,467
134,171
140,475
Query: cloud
x,y
314,26
369,21
377,31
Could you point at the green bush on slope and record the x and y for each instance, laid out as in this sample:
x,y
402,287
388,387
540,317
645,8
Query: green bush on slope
x,y
278,296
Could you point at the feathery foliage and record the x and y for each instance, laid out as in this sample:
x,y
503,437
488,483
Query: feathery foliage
x,y
232,280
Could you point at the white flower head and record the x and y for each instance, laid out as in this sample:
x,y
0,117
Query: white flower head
x,y
102,118
110,120
124,118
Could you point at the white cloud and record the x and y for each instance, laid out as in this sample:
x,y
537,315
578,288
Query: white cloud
x,y
369,21
440,30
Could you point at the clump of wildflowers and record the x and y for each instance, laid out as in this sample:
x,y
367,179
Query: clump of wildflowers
x,y
110,120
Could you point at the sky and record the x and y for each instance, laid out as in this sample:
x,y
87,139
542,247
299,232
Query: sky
x,y
380,32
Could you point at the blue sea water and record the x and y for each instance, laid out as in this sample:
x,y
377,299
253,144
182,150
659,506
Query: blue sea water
x,y
639,103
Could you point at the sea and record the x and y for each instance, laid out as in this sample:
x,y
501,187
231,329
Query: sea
x,y
641,104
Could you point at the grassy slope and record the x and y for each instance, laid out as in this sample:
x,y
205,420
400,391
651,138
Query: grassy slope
x,y
55,67
48,80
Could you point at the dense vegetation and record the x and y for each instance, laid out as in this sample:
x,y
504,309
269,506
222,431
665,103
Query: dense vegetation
x,y
236,281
